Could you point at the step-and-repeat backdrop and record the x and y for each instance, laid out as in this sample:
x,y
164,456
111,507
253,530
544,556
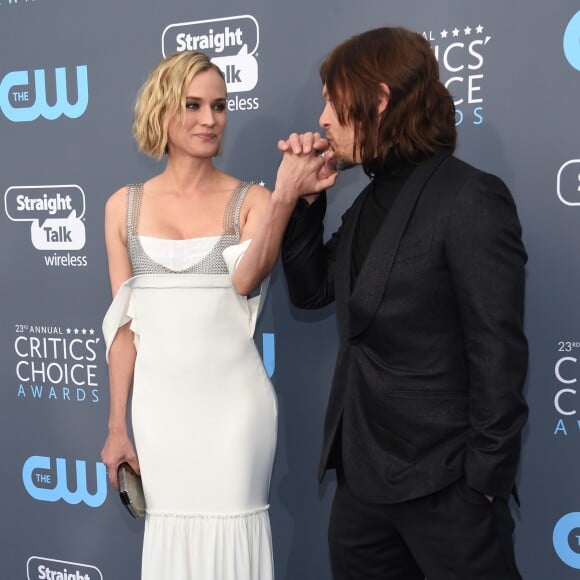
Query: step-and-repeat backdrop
x,y
69,73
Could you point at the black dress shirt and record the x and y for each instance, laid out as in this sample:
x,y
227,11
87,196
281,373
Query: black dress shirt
x,y
385,186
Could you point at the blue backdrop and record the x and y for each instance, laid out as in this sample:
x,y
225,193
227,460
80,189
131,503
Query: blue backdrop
x,y
69,73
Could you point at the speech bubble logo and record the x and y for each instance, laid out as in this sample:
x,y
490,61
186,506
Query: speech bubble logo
x,y
59,234
218,36
37,567
568,183
55,213
27,203
240,70
231,44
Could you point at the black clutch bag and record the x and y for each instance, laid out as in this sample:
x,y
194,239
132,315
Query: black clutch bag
x,y
131,490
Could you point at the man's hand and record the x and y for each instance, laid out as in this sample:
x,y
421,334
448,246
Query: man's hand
x,y
307,165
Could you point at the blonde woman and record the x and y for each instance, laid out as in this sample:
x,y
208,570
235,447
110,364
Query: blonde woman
x,y
185,249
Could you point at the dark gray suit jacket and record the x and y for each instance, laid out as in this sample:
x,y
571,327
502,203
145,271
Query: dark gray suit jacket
x,y
432,360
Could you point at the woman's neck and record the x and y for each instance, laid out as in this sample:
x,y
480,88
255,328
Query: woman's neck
x,y
188,174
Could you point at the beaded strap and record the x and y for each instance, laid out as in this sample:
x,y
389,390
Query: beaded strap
x,y
211,263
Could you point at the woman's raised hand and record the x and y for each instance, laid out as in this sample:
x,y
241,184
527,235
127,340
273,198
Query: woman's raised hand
x,y
306,167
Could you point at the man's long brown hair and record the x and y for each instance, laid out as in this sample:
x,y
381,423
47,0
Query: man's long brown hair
x,y
420,116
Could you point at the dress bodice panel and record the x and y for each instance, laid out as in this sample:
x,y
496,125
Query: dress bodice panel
x,y
177,255
211,262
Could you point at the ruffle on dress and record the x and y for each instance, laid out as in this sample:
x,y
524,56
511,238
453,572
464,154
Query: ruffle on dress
x,y
228,547
123,308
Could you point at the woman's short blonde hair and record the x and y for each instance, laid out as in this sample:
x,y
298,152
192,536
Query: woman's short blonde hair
x,y
162,96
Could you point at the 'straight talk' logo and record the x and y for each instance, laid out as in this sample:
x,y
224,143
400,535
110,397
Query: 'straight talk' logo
x,y
38,568
231,43
55,213
568,183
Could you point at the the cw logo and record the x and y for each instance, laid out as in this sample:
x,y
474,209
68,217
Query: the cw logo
x,y
572,41
54,485
21,102
566,539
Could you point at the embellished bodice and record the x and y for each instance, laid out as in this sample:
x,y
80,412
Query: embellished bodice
x,y
210,263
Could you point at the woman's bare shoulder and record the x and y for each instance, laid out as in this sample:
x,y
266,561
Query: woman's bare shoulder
x,y
258,195
118,198
116,209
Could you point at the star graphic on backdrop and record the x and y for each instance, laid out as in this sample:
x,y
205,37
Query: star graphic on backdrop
x,y
467,31
68,330
444,33
479,29
455,32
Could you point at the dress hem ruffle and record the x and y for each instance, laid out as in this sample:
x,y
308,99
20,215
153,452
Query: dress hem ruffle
x,y
216,516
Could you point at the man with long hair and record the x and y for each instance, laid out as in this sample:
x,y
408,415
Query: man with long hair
x,y
426,410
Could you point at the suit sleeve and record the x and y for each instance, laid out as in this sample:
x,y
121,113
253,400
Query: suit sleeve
x,y
487,260
309,264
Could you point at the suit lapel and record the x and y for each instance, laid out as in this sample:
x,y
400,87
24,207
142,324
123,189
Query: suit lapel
x,y
376,269
342,282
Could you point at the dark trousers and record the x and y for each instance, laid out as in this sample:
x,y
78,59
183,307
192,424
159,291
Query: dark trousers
x,y
453,534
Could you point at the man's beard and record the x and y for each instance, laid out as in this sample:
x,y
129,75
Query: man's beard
x,y
341,164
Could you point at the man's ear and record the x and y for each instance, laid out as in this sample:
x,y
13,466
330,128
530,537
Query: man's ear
x,y
384,94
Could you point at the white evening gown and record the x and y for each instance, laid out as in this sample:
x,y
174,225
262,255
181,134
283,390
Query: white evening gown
x,y
204,413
